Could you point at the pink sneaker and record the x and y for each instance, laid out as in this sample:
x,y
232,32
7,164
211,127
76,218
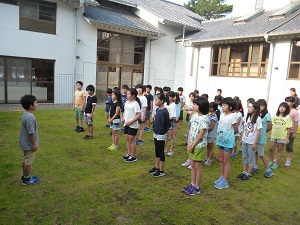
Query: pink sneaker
x,y
170,153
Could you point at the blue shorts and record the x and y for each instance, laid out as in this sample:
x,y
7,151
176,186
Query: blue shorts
x,y
172,125
229,150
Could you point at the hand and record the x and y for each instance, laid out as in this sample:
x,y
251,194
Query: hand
x,y
73,108
82,110
254,146
91,116
190,147
294,135
241,143
109,121
287,141
123,120
34,147
143,119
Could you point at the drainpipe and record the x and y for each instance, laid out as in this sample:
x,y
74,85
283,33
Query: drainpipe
x,y
272,50
183,33
75,44
149,61
197,70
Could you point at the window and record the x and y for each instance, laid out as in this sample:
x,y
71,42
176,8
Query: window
x,y
120,61
294,68
12,2
38,16
19,76
240,60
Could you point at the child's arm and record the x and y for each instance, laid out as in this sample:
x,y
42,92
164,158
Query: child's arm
x,y
197,141
151,106
269,126
33,142
212,125
93,110
115,115
235,128
254,146
83,103
295,129
144,114
74,102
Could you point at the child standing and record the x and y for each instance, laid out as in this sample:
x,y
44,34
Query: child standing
x,y
214,116
131,116
107,102
125,88
197,142
281,124
171,107
294,115
78,106
176,124
157,92
144,105
182,104
29,139
114,119
252,127
149,98
90,110
266,126
227,127
160,127
239,119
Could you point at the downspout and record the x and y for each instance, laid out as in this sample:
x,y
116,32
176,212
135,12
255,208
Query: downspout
x,y
75,44
197,70
183,33
149,61
270,66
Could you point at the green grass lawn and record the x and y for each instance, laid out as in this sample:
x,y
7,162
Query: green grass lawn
x,y
83,183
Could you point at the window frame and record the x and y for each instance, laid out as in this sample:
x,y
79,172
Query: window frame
x,y
262,74
292,62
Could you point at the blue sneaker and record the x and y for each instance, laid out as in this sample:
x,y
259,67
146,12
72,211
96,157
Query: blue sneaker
x,y
240,151
255,170
136,140
193,191
222,184
139,143
30,180
269,174
219,180
122,131
233,155
187,188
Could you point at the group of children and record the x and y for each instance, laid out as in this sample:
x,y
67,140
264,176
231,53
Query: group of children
x,y
216,123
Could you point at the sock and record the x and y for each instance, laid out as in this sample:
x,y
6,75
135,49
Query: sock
x,y
197,187
268,170
26,177
288,159
244,172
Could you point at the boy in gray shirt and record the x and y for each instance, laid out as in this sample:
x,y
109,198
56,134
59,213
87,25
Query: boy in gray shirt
x,y
29,140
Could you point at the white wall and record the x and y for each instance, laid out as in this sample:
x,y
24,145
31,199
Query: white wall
x,y
59,47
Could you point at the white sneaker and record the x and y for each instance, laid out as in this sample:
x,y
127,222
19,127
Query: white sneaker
x,y
190,167
288,163
207,163
170,153
187,163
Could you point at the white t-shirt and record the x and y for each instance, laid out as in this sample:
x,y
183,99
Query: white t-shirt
x,y
240,124
182,99
171,109
250,130
131,109
190,106
144,103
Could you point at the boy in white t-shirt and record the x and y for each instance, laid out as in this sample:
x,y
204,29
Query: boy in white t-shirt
x,y
144,105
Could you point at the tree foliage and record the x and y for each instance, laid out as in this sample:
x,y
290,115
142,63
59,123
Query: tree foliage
x,y
210,9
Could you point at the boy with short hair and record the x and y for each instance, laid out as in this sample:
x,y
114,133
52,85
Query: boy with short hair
x,y
29,139
89,111
125,88
143,100
149,97
182,104
78,106
108,102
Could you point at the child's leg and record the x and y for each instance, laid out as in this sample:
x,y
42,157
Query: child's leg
x,y
116,135
112,136
28,157
221,161
141,129
251,158
280,149
256,158
271,150
290,147
193,172
235,147
157,159
161,154
167,139
172,139
132,145
127,136
210,151
91,129
261,153
26,169
245,157
226,164
198,173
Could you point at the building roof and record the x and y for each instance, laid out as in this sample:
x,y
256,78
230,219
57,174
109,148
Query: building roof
x,y
170,13
120,21
225,29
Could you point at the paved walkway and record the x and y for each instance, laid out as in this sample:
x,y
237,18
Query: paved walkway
x,y
18,107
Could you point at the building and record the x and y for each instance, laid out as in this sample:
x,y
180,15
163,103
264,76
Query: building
x,y
46,46
254,52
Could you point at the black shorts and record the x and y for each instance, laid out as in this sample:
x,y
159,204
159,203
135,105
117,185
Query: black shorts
x,y
130,131
181,115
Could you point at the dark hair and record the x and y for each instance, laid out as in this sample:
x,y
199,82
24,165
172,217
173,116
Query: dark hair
x,y
118,95
116,88
108,90
193,94
133,91
177,100
79,82
215,108
237,98
219,98
139,86
170,94
166,89
180,89
263,102
159,89
220,90
149,86
125,86
239,106
253,116
90,88
161,97
287,109
196,92
291,99
294,90
251,100
203,104
229,101
205,96
27,101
